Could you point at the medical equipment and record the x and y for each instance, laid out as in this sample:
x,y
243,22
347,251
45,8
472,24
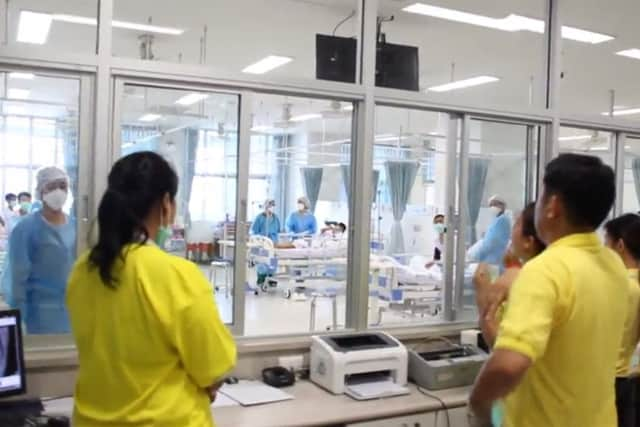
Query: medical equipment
x,y
364,365
454,366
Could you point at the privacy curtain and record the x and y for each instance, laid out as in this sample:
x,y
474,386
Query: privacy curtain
x,y
312,179
635,167
346,181
478,169
190,169
401,176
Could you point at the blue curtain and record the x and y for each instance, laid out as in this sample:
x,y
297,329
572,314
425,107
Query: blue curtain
x,y
478,169
635,168
346,181
401,176
312,179
191,137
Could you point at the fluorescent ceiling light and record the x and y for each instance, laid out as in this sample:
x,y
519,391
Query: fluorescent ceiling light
x,y
22,76
575,138
305,117
74,19
147,28
461,84
149,117
33,27
261,128
625,112
18,93
192,98
630,53
348,107
14,110
511,23
267,64
599,148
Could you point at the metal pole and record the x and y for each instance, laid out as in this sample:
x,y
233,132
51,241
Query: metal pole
x,y
312,315
451,216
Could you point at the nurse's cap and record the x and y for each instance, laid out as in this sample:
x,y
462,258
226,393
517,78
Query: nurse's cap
x,y
497,199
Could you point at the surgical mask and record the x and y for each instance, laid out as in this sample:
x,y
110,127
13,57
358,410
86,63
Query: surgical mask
x,y
25,207
162,235
55,199
12,205
301,206
439,228
270,209
495,210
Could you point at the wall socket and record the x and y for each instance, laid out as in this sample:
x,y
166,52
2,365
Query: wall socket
x,y
296,362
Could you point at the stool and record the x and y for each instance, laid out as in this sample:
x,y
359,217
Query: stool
x,y
224,265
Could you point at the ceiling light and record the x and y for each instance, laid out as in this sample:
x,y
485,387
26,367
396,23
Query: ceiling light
x,y
348,107
149,117
191,98
630,53
15,110
18,93
22,76
599,148
511,23
625,112
33,27
147,28
461,84
74,19
261,128
267,64
305,117
575,138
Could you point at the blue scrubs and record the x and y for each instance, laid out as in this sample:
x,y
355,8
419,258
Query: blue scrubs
x,y
41,256
495,242
302,223
268,226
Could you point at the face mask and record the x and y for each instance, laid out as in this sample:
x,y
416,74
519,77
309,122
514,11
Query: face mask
x,y
301,207
25,207
438,228
270,209
163,234
496,210
55,199
12,205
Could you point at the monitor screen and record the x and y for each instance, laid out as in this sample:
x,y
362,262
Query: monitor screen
x,y
336,58
397,66
12,372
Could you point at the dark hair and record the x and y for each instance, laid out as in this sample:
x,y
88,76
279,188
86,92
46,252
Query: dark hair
x,y
343,226
438,217
136,183
529,227
9,196
586,186
627,229
24,194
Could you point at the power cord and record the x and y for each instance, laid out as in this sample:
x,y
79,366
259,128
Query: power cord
x,y
351,15
444,406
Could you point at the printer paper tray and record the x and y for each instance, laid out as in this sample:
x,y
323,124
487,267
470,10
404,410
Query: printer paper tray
x,y
375,389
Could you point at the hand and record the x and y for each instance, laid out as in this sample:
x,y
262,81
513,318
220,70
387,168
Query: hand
x,y
489,323
212,391
429,264
482,285
475,420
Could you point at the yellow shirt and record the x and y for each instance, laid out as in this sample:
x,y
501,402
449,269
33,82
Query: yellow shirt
x,y
566,312
148,348
631,326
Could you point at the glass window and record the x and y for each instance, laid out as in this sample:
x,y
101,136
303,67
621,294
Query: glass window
x,y
464,52
39,128
298,257
277,37
631,190
197,132
586,141
604,69
67,26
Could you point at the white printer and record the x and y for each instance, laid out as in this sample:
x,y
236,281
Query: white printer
x,y
364,365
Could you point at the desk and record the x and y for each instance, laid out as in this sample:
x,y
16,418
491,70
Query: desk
x,y
313,406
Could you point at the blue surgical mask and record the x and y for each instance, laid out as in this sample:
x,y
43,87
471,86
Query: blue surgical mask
x,y
163,234
439,228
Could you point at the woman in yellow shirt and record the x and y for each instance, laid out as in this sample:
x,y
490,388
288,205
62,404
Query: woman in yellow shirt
x,y
152,348
623,236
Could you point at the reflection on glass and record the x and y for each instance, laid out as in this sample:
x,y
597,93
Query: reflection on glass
x,y
39,184
586,141
631,190
299,169
197,133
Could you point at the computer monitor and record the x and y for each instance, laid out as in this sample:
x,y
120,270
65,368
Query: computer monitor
x,y
397,66
12,371
336,58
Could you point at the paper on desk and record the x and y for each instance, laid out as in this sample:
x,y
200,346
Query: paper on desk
x,y
375,389
249,393
223,400
63,406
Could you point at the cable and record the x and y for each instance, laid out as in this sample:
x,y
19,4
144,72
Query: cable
x,y
351,15
433,396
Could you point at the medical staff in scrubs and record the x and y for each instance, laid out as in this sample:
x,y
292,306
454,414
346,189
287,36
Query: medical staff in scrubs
x,y
302,221
266,224
152,348
42,249
496,239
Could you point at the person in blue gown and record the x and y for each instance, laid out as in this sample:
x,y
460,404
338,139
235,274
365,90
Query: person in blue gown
x,y
496,240
42,249
266,224
302,221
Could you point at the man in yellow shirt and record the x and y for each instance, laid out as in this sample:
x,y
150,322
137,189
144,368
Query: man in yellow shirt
x,y
554,359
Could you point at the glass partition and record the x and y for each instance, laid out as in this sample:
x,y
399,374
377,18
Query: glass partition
x,y
197,132
298,210
631,190
586,141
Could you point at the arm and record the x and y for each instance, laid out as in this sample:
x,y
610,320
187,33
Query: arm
x,y
289,224
255,227
314,224
20,265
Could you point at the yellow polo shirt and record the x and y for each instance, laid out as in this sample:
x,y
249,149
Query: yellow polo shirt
x,y
566,312
631,326
149,348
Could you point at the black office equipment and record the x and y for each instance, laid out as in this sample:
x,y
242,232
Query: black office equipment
x,y
336,58
397,66
278,376
12,372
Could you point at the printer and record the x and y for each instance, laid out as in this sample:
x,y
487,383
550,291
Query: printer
x,y
454,366
364,365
